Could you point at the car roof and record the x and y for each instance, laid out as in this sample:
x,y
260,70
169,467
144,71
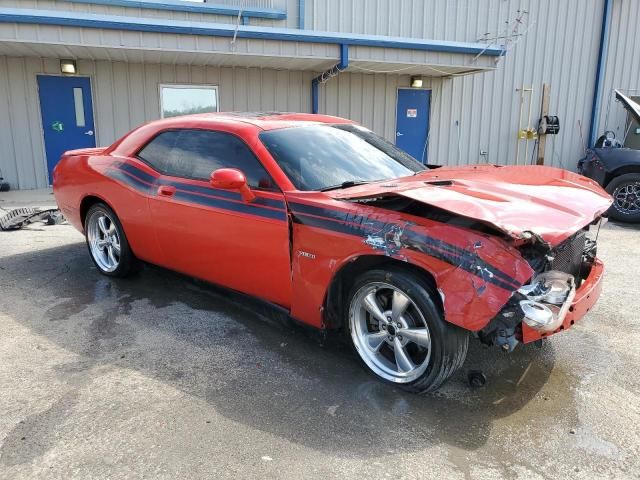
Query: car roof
x,y
261,120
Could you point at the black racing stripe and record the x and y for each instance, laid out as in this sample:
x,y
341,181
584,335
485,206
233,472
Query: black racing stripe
x,y
265,202
249,208
361,226
336,214
133,182
327,224
469,258
476,266
134,170
221,203
141,174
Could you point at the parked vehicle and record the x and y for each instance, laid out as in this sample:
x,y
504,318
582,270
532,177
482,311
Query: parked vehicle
x,y
617,168
330,221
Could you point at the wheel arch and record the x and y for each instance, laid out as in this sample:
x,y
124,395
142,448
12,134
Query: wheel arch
x,y
619,172
87,202
336,295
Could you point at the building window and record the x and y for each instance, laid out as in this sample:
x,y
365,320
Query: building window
x,y
187,99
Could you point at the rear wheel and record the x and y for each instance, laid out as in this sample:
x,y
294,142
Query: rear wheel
x,y
107,242
397,329
625,191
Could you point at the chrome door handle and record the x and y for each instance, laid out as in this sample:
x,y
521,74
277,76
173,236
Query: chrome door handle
x,y
89,132
398,134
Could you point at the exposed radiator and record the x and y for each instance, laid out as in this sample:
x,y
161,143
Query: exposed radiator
x,y
568,255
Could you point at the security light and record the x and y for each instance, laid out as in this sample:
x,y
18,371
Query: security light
x,y
68,66
416,82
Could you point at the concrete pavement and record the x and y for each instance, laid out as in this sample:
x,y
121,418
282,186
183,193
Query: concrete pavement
x,y
159,376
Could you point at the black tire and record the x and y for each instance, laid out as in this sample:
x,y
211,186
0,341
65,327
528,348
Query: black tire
x,y
449,343
128,263
615,188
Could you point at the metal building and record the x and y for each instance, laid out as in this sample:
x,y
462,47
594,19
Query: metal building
x,y
451,81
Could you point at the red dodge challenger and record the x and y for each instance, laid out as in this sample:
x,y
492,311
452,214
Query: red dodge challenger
x,y
323,217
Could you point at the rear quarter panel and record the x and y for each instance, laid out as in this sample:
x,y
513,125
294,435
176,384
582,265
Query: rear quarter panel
x,y
80,176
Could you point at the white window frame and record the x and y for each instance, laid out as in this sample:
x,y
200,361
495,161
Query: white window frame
x,y
187,86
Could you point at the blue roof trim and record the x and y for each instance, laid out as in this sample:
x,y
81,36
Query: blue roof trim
x,y
157,25
182,6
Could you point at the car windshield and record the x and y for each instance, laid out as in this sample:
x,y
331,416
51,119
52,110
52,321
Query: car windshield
x,y
324,157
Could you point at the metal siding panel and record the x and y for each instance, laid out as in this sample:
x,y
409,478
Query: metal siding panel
x,y
281,80
121,99
254,95
558,50
136,92
33,66
151,94
240,90
18,98
103,95
267,89
622,66
7,135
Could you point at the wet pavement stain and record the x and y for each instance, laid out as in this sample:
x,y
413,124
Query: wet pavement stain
x,y
304,375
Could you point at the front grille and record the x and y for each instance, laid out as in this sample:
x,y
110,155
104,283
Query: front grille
x,y
568,255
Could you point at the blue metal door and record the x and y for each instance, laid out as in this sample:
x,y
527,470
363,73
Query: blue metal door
x,y
67,116
412,122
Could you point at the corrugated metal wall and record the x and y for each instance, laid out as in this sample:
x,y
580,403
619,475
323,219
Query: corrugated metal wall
x,y
125,95
291,7
623,64
557,43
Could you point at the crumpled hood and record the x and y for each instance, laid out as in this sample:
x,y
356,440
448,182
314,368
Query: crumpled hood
x,y
549,202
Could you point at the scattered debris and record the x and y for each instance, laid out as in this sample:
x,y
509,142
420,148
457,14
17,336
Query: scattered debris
x,y
21,217
332,410
266,458
476,378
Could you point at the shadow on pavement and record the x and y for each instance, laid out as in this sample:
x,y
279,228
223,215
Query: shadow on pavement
x,y
251,364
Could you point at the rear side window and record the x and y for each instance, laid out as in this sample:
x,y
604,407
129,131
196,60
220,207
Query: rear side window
x,y
196,153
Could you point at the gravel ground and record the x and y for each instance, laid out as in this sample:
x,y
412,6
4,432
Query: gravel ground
x,y
160,376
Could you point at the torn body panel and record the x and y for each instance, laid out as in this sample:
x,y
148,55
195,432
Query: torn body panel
x,y
475,273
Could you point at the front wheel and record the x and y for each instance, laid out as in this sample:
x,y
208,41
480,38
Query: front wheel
x,y
107,242
398,331
625,191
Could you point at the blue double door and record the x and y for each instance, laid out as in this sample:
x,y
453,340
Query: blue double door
x,y
67,116
412,122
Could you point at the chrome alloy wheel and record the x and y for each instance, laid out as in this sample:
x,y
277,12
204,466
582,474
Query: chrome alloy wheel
x,y
104,241
627,198
389,332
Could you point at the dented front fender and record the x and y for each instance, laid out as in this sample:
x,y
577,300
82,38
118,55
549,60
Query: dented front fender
x,y
475,273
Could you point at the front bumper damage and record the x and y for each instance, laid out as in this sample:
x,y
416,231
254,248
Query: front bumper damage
x,y
567,285
584,299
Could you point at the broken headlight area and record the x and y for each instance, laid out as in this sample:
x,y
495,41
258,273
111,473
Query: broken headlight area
x,y
541,304
547,300
544,302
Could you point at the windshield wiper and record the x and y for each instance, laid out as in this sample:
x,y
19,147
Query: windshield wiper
x,y
347,184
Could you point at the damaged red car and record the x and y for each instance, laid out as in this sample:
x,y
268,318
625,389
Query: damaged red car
x,y
324,218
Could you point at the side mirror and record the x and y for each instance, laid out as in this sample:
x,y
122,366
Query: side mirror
x,y
232,179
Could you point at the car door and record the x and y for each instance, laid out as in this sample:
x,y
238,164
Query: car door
x,y
212,233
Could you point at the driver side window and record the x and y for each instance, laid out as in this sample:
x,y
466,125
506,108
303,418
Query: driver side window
x,y
194,154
